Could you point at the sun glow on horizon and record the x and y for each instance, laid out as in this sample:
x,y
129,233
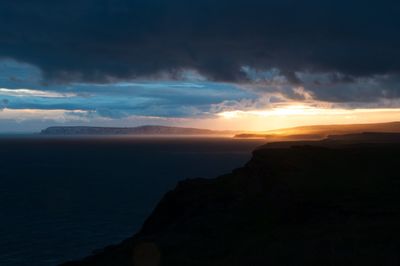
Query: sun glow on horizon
x,y
303,110
299,115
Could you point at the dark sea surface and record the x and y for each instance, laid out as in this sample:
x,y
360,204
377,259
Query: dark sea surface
x,y
62,198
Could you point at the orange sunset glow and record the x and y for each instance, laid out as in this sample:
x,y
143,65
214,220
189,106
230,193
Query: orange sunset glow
x,y
297,115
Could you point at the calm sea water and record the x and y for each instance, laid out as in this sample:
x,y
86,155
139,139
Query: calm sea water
x,y
60,199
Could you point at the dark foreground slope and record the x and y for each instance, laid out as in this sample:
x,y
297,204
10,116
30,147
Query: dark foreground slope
x,y
332,202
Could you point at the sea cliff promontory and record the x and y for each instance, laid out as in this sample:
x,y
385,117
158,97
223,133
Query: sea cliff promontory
x,y
329,202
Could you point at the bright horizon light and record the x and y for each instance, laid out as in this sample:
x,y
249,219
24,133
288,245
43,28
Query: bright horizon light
x,y
278,117
302,115
300,110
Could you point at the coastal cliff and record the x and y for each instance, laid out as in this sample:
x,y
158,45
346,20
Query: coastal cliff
x,y
329,202
142,130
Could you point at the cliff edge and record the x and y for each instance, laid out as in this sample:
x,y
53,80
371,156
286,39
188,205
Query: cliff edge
x,y
330,202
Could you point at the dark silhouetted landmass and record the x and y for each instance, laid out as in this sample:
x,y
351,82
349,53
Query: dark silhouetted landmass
x,y
142,130
277,137
318,132
329,202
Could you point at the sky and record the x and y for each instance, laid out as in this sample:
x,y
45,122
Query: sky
x,y
237,64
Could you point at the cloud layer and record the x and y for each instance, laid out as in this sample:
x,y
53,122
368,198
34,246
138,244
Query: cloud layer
x,y
196,58
116,100
104,39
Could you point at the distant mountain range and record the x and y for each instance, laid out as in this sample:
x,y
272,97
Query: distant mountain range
x,y
142,130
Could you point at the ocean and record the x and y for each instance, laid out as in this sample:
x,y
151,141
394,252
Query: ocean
x,y
63,198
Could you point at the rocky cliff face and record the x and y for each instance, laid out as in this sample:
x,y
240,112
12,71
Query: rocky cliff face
x,y
332,202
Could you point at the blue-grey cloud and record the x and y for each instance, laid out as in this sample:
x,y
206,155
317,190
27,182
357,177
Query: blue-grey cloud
x,y
330,87
163,99
338,51
103,39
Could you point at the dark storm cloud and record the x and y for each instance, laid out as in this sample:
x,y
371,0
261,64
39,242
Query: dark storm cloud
x,y
103,39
